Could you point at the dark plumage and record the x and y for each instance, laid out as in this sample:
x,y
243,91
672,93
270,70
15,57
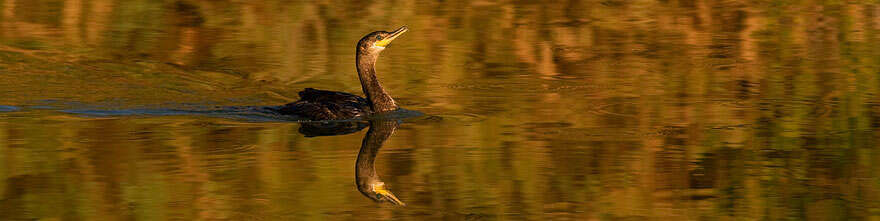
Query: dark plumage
x,y
327,105
330,105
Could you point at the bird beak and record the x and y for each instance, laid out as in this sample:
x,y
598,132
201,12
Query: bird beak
x,y
387,194
395,34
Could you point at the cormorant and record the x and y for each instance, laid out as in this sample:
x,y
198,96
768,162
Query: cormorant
x,y
330,105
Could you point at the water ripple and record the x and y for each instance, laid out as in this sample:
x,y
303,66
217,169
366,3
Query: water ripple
x,y
4,108
247,113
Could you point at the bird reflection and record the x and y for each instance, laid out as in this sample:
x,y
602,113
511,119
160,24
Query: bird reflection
x,y
330,128
368,182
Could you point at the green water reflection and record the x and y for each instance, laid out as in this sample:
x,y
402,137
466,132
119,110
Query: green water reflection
x,y
581,110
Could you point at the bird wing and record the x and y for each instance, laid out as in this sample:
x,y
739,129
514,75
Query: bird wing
x,y
327,105
315,95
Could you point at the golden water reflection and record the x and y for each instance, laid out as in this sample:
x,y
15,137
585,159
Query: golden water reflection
x,y
583,110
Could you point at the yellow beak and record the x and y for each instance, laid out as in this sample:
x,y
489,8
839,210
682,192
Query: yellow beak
x,y
395,34
384,192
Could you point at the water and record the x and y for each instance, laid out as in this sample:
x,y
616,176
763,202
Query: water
x,y
581,110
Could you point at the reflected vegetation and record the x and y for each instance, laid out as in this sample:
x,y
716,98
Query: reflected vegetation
x,y
561,110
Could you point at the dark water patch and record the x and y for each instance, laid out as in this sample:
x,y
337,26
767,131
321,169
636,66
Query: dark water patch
x,y
11,56
4,108
463,118
616,109
732,127
536,125
27,44
41,107
562,131
630,109
541,86
229,151
571,134
55,104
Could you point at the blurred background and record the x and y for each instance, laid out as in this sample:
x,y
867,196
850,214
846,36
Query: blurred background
x,y
534,110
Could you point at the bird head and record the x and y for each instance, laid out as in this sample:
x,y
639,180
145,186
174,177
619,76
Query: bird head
x,y
376,41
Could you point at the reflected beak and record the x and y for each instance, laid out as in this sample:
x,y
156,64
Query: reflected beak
x,y
390,196
395,34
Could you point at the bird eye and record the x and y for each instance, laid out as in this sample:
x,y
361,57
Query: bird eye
x,y
378,196
379,37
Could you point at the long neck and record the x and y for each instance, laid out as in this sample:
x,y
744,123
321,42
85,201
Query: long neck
x,y
365,171
380,101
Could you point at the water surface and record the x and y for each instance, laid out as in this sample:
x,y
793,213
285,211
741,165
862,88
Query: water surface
x,y
564,110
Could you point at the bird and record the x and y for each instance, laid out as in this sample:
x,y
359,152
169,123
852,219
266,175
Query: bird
x,y
322,105
368,182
